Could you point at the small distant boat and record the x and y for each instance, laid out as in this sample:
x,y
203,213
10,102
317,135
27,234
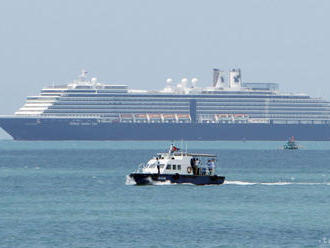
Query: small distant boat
x,y
291,144
178,167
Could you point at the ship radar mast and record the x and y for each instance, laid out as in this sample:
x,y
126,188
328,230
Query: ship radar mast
x,y
83,76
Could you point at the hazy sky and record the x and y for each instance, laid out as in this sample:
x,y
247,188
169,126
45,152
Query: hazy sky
x,y
141,43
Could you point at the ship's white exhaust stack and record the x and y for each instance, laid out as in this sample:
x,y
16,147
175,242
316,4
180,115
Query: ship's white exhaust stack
x,y
218,78
216,73
235,79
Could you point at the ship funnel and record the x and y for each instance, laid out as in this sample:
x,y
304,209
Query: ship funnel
x,y
235,79
218,78
216,73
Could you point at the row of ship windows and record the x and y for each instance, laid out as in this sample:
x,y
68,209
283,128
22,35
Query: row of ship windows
x,y
162,108
258,116
242,109
229,104
251,114
89,88
125,90
265,108
263,104
187,104
69,93
122,104
218,110
82,90
183,109
119,108
267,113
171,167
174,96
150,96
115,89
193,96
157,100
275,119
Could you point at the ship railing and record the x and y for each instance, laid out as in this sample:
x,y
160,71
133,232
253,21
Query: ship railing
x,y
140,168
204,170
143,166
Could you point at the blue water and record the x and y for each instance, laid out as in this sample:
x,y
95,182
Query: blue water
x,y
74,194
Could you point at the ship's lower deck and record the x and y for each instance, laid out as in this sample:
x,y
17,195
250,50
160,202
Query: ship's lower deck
x,y
93,129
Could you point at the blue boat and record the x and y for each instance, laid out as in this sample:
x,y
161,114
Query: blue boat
x,y
291,144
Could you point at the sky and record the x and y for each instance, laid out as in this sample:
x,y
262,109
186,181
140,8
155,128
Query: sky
x,y
141,43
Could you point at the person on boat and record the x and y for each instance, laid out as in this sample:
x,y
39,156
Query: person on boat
x,y
158,166
196,166
192,164
211,166
203,171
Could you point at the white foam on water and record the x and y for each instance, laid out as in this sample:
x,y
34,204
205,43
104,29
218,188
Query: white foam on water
x,y
277,183
239,183
130,180
325,183
274,183
160,183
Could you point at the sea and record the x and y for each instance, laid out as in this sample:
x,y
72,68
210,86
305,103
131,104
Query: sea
x,y
77,194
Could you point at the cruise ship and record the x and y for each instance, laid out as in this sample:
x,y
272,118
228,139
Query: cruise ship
x,y
229,109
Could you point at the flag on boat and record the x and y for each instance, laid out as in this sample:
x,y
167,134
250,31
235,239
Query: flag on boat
x,y
174,148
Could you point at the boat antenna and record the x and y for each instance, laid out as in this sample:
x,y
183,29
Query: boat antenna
x,y
182,148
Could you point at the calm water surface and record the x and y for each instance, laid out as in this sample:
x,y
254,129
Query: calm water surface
x,y
74,194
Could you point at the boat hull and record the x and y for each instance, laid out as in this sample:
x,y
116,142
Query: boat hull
x,y
147,179
290,148
94,129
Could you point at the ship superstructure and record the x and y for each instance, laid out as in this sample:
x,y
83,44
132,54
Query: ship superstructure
x,y
235,102
227,102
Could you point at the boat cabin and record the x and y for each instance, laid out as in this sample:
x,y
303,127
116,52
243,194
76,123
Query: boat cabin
x,y
181,163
